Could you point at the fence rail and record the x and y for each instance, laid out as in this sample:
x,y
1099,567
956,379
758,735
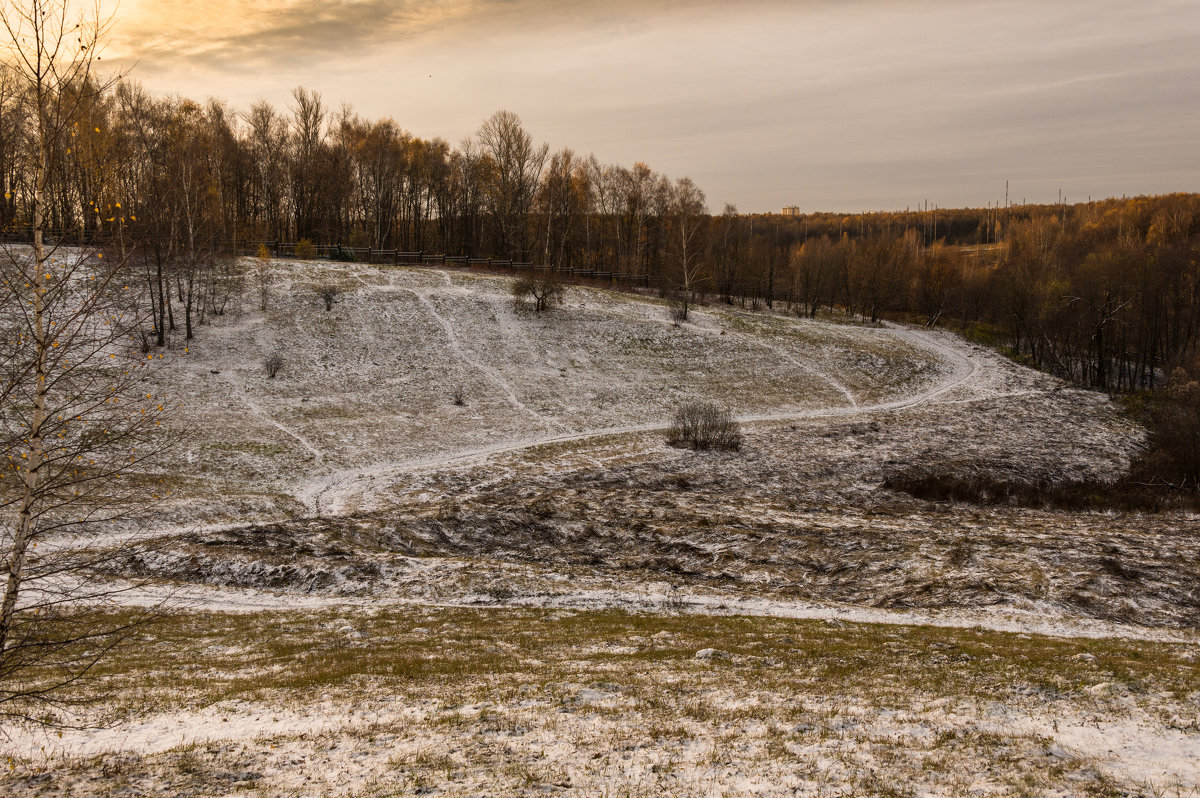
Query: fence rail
x,y
369,255
356,254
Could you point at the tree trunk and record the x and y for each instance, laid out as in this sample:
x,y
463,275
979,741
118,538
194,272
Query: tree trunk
x,y
30,494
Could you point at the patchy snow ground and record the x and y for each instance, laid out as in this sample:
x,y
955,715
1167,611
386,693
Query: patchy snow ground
x,y
353,484
366,388
463,701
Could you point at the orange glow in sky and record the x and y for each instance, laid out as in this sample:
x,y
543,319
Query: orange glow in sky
x,y
852,105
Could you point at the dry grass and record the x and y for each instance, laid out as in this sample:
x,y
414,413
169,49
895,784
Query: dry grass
x,y
519,701
383,697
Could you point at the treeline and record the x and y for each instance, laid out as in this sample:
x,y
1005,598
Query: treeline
x,y
1105,293
186,179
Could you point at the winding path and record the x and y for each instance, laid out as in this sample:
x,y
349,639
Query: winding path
x,y
331,494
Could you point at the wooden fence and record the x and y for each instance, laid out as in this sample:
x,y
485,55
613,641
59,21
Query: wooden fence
x,y
361,255
382,256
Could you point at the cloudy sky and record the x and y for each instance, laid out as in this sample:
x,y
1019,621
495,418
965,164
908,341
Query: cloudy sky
x,y
850,105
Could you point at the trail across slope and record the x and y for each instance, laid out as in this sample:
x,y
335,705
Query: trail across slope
x,y
332,494
490,373
242,394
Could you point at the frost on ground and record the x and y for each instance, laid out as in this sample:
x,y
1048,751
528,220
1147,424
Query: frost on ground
x,y
798,514
380,591
522,702
368,386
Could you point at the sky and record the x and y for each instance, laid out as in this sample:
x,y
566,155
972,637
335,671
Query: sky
x,y
841,106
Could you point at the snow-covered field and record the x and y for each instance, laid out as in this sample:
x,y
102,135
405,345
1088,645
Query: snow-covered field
x,y
378,591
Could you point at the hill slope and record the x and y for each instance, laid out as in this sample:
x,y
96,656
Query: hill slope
x,y
369,384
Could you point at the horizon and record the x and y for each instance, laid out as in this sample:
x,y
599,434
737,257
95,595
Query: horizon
x,y
859,106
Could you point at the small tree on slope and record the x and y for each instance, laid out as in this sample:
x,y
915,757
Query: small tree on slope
x,y
542,286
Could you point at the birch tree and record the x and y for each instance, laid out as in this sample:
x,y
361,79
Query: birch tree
x,y
78,418
688,223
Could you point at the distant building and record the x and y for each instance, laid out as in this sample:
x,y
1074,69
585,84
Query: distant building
x,y
791,210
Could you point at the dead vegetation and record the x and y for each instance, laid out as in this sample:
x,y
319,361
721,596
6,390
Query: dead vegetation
x,y
983,483
540,287
272,364
329,295
803,513
396,673
703,426
475,701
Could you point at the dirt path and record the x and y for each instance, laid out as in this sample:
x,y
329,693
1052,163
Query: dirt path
x,y
328,495
242,394
490,373
782,353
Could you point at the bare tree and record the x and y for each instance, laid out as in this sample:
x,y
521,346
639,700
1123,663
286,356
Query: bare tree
x,y
268,146
542,286
195,192
688,226
77,415
514,180
308,136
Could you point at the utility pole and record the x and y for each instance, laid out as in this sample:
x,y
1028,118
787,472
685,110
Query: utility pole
x,y
1006,209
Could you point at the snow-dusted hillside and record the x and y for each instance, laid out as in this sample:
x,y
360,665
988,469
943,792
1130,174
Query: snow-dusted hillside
x,y
368,386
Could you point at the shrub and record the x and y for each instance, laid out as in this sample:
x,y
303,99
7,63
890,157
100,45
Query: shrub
x,y
1175,431
703,425
541,285
273,364
305,249
984,483
679,311
459,395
